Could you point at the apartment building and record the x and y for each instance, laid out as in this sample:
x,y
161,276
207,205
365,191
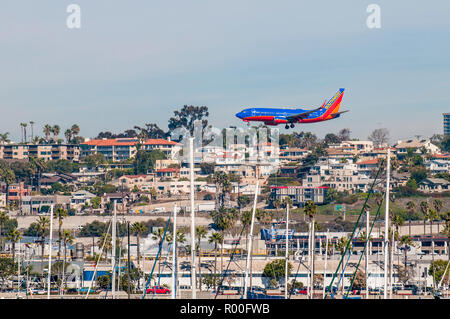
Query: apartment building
x,y
300,194
16,191
417,146
342,176
436,166
354,147
44,151
41,204
168,147
293,153
118,149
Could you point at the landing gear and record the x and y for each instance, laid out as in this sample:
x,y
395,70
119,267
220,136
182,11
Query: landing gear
x,y
286,127
292,125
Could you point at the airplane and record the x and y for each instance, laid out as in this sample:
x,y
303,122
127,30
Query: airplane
x,y
274,116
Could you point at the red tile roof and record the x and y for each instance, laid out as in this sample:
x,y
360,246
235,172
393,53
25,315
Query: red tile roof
x,y
129,142
368,162
159,141
110,142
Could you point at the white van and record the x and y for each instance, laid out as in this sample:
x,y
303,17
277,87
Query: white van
x,y
159,210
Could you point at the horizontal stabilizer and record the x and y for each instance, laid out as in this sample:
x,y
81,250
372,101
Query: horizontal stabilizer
x,y
338,113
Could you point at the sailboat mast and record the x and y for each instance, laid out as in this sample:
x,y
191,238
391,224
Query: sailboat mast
x,y
250,240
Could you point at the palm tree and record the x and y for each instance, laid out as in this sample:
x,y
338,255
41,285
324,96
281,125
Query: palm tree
x,y
14,236
24,132
437,204
67,238
105,241
32,133
60,213
137,229
56,130
200,232
223,186
311,211
4,138
47,131
7,176
158,235
397,221
424,208
75,130
43,223
411,207
406,242
68,135
3,218
215,238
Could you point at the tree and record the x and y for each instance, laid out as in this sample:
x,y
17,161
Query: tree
x,y
67,238
3,219
216,238
56,130
60,214
7,176
138,228
410,206
344,134
145,161
223,187
437,269
43,223
7,269
275,270
360,280
200,232
75,130
14,236
424,208
4,138
405,243
379,136
187,116
94,160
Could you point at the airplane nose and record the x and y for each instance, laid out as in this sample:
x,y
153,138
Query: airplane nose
x,y
240,115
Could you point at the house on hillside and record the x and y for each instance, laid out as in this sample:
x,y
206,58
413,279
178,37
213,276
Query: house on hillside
x,y
434,185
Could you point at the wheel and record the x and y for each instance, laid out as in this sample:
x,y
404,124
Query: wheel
x,y
286,127
292,125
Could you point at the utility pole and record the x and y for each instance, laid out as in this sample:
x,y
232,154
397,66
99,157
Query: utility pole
x,y
386,223
193,264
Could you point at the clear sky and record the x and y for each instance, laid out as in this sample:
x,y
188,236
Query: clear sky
x,y
135,62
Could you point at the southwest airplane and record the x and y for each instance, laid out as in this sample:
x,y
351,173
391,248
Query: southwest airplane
x,y
274,116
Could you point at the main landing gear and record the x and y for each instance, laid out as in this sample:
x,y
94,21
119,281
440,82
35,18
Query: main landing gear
x,y
291,126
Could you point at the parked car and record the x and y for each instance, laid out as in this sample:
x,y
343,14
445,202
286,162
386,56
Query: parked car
x,y
158,290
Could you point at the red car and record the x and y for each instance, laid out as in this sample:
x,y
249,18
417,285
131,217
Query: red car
x,y
158,290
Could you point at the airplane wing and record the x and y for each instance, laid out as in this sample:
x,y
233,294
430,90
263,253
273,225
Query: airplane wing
x,y
303,115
